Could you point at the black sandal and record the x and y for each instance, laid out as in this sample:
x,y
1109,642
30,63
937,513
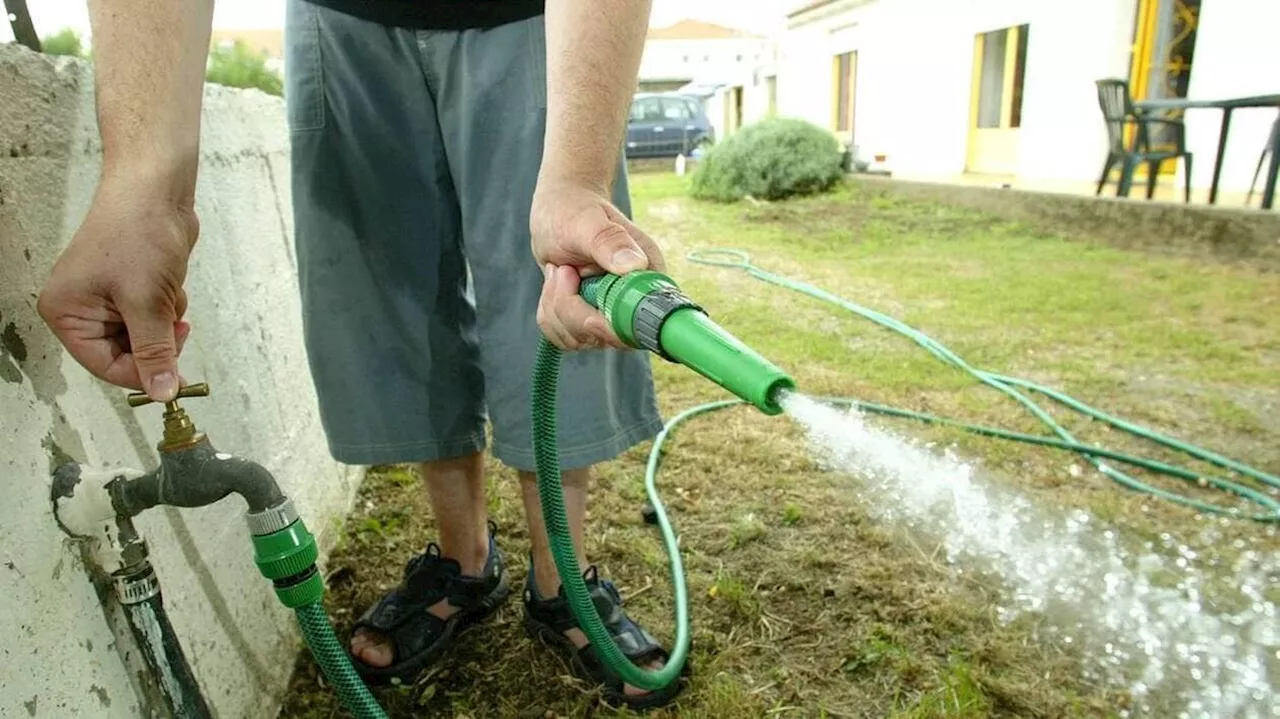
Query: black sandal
x,y
549,619
417,636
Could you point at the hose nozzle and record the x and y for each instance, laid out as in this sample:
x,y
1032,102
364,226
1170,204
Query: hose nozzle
x,y
647,310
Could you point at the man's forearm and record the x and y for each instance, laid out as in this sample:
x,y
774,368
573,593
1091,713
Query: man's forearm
x,y
593,57
149,64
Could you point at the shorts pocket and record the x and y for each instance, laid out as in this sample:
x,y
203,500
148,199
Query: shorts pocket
x,y
303,68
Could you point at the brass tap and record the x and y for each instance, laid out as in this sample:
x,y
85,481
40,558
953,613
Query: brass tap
x,y
179,431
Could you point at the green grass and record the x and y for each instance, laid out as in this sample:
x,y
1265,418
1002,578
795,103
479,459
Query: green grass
x,y
802,603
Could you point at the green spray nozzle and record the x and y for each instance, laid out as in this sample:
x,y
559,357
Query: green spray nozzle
x,y
647,310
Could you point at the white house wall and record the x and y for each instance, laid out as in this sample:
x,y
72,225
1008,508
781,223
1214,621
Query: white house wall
x,y
1236,55
704,60
914,75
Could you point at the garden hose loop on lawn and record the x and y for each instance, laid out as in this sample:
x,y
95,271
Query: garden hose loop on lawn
x,y
738,259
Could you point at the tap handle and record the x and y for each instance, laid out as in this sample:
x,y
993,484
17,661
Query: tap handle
x,y
138,399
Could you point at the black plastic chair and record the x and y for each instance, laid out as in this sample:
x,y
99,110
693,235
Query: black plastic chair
x,y
1118,112
1269,148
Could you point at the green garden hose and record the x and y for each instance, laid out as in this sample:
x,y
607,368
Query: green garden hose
x,y
737,259
647,310
545,442
642,309
334,662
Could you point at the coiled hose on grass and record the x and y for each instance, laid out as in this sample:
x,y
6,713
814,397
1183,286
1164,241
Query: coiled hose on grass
x,y
737,259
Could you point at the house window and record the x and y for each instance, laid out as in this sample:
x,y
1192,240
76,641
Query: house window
x,y
771,84
1002,70
846,78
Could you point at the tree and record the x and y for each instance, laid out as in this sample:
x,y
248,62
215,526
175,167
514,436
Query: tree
x,y
24,31
238,66
65,42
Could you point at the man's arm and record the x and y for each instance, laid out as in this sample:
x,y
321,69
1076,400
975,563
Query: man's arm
x,y
114,298
593,57
149,64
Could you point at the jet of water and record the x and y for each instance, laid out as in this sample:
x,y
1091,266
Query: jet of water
x,y
1170,645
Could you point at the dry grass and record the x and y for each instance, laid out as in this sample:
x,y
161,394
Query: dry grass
x,y
803,605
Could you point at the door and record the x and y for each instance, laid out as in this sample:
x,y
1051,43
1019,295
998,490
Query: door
x,y
1164,43
646,115
845,95
732,110
999,68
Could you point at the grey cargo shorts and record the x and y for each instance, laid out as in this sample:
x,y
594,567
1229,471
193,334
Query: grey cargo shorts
x,y
414,159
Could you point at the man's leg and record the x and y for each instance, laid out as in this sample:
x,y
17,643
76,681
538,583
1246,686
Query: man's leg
x,y
491,91
389,328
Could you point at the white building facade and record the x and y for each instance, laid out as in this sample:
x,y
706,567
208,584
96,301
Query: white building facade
x,y
701,53
942,88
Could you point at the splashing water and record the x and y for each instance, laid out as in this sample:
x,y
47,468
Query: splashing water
x,y
1150,620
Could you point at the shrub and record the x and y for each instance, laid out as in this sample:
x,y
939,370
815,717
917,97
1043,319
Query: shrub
x,y
238,66
772,159
64,42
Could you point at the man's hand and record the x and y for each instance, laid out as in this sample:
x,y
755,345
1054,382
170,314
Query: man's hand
x,y
577,232
115,296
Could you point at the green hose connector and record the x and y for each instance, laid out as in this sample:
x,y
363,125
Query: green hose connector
x,y
288,558
286,552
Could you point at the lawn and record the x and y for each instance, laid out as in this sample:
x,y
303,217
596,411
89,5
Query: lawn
x,y
802,603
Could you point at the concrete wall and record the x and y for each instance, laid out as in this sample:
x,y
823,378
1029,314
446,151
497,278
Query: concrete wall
x,y
60,657
914,80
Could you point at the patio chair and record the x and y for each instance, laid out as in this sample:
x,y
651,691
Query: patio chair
x,y
1118,112
1270,147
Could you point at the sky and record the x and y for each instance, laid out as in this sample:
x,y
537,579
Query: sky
x,y
762,16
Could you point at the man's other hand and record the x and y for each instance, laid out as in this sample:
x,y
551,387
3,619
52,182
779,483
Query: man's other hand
x,y
114,298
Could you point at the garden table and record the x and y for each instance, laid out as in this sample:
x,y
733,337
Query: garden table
x,y
1227,106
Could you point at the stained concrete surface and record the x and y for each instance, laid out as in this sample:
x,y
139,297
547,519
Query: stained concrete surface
x,y
63,653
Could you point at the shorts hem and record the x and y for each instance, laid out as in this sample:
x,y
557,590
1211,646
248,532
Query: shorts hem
x,y
583,455
407,452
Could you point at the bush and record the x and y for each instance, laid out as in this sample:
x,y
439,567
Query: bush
x,y
64,42
772,159
238,66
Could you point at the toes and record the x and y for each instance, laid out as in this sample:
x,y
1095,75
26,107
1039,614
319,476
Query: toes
x,y
372,649
637,691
